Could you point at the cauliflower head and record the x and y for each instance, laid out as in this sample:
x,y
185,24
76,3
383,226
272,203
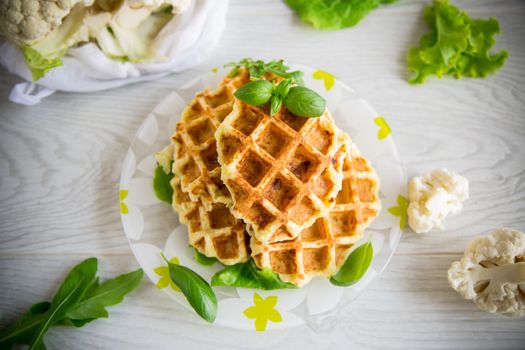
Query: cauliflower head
x,y
492,272
26,21
433,196
124,30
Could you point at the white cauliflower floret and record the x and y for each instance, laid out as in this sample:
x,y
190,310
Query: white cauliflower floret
x,y
26,21
492,272
433,196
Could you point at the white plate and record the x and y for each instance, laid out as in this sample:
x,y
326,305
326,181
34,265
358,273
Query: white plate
x,y
151,227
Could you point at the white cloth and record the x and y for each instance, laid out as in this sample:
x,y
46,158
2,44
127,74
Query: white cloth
x,y
183,42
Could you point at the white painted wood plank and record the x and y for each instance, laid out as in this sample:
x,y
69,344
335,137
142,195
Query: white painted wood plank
x,y
60,164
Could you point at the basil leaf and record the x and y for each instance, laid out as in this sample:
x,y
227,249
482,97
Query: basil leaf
x,y
255,93
23,330
203,259
283,88
77,282
161,185
108,293
247,275
354,267
196,290
276,104
304,102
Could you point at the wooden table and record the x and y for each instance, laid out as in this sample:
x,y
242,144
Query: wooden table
x,y
60,163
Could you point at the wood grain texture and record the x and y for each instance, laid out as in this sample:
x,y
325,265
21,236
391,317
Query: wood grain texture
x,y
60,164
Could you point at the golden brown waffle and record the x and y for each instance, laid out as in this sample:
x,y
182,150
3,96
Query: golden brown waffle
x,y
283,172
196,155
215,232
323,247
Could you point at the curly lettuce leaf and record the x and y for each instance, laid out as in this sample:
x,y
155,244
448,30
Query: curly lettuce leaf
x,y
334,14
456,45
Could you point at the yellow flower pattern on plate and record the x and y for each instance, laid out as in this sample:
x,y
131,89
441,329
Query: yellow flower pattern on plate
x,y
123,207
215,70
164,274
263,311
328,78
384,128
400,210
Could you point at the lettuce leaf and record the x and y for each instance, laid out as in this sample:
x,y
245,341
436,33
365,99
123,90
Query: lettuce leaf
x,y
456,45
334,14
247,275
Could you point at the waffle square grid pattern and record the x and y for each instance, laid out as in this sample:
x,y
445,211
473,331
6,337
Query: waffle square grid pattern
x,y
292,193
283,172
195,146
323,247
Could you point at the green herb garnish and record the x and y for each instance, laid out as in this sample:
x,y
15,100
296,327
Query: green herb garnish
x,y
334,14
456,45
299,100
80,299
247,275
161,185
355,266
256,93
196,290
203,259
258,68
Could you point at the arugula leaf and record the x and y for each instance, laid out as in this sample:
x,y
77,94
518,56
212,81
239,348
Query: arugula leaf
x,y
203,259
334,14
38,64
355,266
196,290
77,282
23,330
106,294
456,45
304,102
247,275
79,295
161,185
255,93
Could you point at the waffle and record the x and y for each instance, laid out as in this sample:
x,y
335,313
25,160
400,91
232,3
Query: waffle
x,y
196,155
215,232
323,247
283,172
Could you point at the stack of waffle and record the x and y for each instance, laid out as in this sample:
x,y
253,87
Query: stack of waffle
x,y
292,193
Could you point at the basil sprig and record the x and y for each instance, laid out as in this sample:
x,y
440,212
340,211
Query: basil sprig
x,y
299,100
80,299
354,267
258,68
196,290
